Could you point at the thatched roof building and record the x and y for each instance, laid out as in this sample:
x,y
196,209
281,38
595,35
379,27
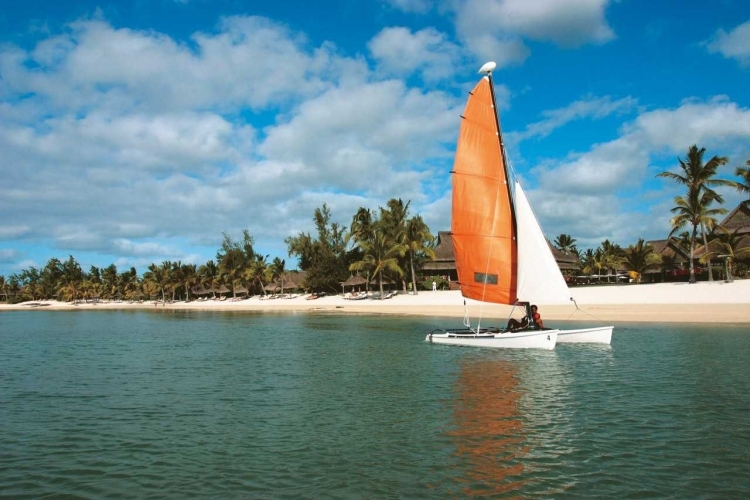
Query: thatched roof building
x,y
736,220
566,262
355,280
292,280
445,258
670,249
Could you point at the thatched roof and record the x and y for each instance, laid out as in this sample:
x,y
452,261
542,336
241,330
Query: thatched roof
x,y
445,258
669,249
297,278
355,280
223,289
444,247
738,219
565,261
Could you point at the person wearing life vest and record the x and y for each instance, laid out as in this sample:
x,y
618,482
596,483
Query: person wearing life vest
x,y
532,320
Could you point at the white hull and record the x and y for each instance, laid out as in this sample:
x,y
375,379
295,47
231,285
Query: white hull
x,y
538,339
600,335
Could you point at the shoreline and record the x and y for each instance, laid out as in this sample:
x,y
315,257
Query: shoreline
x,y
704,302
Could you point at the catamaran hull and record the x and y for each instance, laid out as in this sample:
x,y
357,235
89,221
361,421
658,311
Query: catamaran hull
x,y
544,339
599,335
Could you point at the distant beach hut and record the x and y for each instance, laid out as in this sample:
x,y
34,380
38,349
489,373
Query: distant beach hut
x,y
240,290
353,281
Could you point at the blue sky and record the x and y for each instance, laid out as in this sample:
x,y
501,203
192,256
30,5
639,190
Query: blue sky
x,y
134,132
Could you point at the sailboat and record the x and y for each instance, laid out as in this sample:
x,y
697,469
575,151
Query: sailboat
x,y
502,256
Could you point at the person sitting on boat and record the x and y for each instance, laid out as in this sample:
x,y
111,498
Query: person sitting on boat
x,y
523,324
537,317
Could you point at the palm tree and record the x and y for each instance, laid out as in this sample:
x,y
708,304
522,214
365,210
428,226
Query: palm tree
x,y
693,211
727,245
594,260
257,272
4,287
208,275
640,258
278,270
128,284
380,255
697,176
158,278
565,244
611,257
109,281
189,275
418,240
362,227
744,185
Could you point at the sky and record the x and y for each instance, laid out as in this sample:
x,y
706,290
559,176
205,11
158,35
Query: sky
x,y
137,131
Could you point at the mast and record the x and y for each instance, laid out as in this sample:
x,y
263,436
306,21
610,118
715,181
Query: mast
x,y
488,68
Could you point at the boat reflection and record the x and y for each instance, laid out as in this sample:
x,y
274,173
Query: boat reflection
x,y
488,431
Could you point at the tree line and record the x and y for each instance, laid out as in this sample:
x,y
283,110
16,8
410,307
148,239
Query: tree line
x,y
387,245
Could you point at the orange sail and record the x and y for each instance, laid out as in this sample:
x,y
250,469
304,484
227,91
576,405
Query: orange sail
x,y
482,223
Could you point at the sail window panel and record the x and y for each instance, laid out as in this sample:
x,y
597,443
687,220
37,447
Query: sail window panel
x,y
485,279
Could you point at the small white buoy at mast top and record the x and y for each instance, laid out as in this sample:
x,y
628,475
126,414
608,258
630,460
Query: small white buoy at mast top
x,y
488,67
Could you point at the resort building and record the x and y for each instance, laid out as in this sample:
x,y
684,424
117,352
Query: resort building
x,y
445,260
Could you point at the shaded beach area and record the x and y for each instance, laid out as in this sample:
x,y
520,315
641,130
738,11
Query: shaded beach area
x,y
703,302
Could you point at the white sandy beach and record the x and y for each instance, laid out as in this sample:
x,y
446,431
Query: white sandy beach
x,y
703,302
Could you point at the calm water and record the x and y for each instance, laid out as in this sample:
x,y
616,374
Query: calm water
x,y
182,404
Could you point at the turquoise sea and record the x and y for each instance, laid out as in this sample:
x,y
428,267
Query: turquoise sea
x,y
164,404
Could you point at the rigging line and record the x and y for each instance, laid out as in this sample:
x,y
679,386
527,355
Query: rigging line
x,y
509,316
584,312
467,321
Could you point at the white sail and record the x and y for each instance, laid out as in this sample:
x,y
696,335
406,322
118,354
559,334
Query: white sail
x,y
539,277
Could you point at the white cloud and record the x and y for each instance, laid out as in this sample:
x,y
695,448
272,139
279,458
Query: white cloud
x,y
601,193
399,51
250,62
593,107
624,161
603,169
495,29
9,232
732,45
119,165
8,254
718,120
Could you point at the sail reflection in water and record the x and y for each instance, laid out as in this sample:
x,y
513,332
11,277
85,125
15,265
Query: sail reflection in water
x,y
489,434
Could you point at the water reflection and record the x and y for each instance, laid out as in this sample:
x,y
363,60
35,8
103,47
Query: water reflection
x,y
489,434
